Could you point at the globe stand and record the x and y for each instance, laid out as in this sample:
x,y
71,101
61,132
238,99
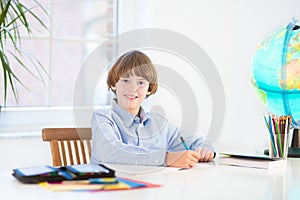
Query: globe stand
x,y
294,150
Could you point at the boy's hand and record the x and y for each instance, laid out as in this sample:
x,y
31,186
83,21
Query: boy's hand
x,y
205,154
183,159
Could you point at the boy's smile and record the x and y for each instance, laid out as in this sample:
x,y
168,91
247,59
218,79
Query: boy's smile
x,y
131,97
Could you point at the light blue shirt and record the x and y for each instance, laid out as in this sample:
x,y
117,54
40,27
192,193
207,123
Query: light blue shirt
x,y
123,138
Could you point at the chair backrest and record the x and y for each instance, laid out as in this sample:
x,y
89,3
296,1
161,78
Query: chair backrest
x,y
67,144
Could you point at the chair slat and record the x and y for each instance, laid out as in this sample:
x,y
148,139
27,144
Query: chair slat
x,y
70,152
76,151
82,152
89,148
63,152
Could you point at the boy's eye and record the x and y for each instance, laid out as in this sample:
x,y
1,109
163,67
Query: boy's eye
x,y
142,83
124,80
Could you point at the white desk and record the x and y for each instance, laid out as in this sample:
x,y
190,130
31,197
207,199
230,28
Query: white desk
x,y
213,182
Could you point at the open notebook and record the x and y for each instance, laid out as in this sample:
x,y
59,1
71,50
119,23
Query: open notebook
x,y
251,161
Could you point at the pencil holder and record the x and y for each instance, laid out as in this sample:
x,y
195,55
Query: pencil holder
x,y
279,129
279,149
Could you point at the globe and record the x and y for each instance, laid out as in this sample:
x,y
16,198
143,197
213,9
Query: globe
x,y
275,72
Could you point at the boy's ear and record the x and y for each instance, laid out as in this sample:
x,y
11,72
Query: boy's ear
x,y
112,87
148,93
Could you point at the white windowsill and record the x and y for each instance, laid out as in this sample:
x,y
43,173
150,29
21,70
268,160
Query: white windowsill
x,y
20,134
28,122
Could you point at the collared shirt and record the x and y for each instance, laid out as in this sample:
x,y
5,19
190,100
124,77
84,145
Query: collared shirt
x,y
121,137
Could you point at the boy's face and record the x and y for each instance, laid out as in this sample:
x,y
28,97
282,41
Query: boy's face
x,y
131,92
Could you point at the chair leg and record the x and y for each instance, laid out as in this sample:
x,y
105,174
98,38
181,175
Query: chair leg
x,y
56,160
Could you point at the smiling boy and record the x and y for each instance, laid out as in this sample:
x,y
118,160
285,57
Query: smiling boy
x,y
126,134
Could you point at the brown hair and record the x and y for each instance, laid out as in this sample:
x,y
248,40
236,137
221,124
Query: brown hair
x,y
133,63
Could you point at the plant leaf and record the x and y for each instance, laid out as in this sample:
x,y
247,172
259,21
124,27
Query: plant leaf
x,y
34,15
4,12
12,17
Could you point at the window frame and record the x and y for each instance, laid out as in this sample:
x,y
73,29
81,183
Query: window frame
x,y
28,121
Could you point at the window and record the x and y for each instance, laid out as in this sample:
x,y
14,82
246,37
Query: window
x,y
76,28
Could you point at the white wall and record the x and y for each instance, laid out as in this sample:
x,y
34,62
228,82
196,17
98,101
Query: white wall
x,y
23,152
229,31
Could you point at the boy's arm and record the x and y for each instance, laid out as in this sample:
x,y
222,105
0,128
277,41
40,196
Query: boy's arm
x,y
205,153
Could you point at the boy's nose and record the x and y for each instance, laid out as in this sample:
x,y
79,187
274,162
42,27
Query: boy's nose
x,y
133,87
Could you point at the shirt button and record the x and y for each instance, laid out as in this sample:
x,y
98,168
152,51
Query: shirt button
x,y
136,120
136,162
156,161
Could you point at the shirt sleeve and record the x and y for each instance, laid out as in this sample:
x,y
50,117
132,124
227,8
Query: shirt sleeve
x,y
107,146
175,144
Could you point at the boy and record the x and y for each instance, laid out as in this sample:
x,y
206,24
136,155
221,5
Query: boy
x,y
126,134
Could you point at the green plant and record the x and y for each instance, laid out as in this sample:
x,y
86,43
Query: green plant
x,y
14,16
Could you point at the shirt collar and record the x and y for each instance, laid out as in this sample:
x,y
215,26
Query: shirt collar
x,y
128,118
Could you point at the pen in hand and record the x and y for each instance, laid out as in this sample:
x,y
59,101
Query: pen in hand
x,y
186,146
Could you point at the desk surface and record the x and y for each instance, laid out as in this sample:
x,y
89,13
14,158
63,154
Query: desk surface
x,y
202,182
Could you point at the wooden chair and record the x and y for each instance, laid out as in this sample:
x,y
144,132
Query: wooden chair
x,y
67,144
